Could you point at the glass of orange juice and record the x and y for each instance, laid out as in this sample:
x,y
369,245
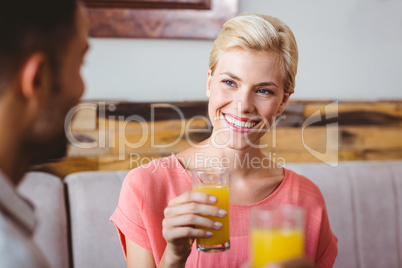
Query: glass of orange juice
x,y
214,181
276,234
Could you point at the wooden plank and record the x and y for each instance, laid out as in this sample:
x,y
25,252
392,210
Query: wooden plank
x,y
88,143
363,138
292,116
365,131
156,137
297,139
386,107
161,142
154,111
181,114
113,123
350,155
354,114
114,162
68,165
316,138
319,139
385,154
302,157
85,117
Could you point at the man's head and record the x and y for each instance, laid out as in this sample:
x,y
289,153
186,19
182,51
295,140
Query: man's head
x,y
41,53
33,26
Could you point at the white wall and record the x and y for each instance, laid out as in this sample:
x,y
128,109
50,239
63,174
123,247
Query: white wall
x,y
349,50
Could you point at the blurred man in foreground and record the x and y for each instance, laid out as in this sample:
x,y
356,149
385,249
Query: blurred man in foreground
x,y
42,46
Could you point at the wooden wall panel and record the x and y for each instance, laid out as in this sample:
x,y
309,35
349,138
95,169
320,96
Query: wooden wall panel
x,y
109,140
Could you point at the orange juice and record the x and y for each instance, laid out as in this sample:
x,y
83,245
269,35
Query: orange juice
x,y
271,245
222,194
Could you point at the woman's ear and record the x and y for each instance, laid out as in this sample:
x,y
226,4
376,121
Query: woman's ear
x,y
33,76
282,106
209,83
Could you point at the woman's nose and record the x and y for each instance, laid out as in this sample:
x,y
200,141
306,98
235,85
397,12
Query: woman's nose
x,y
244,101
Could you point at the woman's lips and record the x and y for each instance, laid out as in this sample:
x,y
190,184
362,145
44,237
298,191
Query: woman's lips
x,y
240,124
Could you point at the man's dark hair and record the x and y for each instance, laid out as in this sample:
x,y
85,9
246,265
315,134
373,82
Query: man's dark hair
x,y
29,26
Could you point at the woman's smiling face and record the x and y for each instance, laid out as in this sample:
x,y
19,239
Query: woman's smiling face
x,y
246,93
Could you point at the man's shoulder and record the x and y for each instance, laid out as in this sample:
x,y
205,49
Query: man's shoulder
x,y
17,248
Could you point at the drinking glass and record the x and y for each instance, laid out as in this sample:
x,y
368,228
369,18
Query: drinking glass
x,y
214,181
276,234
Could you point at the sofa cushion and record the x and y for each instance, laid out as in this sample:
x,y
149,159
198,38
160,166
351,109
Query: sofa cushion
x,y
93,196
364,202
46,193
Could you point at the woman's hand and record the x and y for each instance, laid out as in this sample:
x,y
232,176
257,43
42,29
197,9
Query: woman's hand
x,y
184,217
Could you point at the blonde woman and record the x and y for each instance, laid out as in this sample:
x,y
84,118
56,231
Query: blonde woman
x,y
251,76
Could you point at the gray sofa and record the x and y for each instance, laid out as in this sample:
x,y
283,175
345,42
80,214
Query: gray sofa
x,y
364,201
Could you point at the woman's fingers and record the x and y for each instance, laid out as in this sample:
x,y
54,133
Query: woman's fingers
x,y
186,226
193,196
188,213
194,208
185,216
191,220
185,232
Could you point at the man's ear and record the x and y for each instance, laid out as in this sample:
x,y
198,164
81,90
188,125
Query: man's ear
x,y
285,100
33,76
209,83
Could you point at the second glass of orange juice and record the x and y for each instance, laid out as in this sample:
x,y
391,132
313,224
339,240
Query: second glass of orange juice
x,y
214,181
276,234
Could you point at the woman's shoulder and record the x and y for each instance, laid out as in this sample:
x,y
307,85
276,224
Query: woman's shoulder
x,y
299,177
306,188
155,167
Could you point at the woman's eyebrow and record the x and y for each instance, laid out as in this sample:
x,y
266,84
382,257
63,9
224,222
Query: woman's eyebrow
x,y
262,84
232,76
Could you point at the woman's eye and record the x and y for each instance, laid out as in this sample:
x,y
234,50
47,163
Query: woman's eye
x,y
229,83
265,91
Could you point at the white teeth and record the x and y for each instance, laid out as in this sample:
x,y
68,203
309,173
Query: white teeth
x,y
238,123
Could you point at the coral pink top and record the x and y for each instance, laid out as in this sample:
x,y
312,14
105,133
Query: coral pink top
x,y
146,192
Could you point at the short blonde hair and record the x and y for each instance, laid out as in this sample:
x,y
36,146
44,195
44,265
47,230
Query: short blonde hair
x,y
260,33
